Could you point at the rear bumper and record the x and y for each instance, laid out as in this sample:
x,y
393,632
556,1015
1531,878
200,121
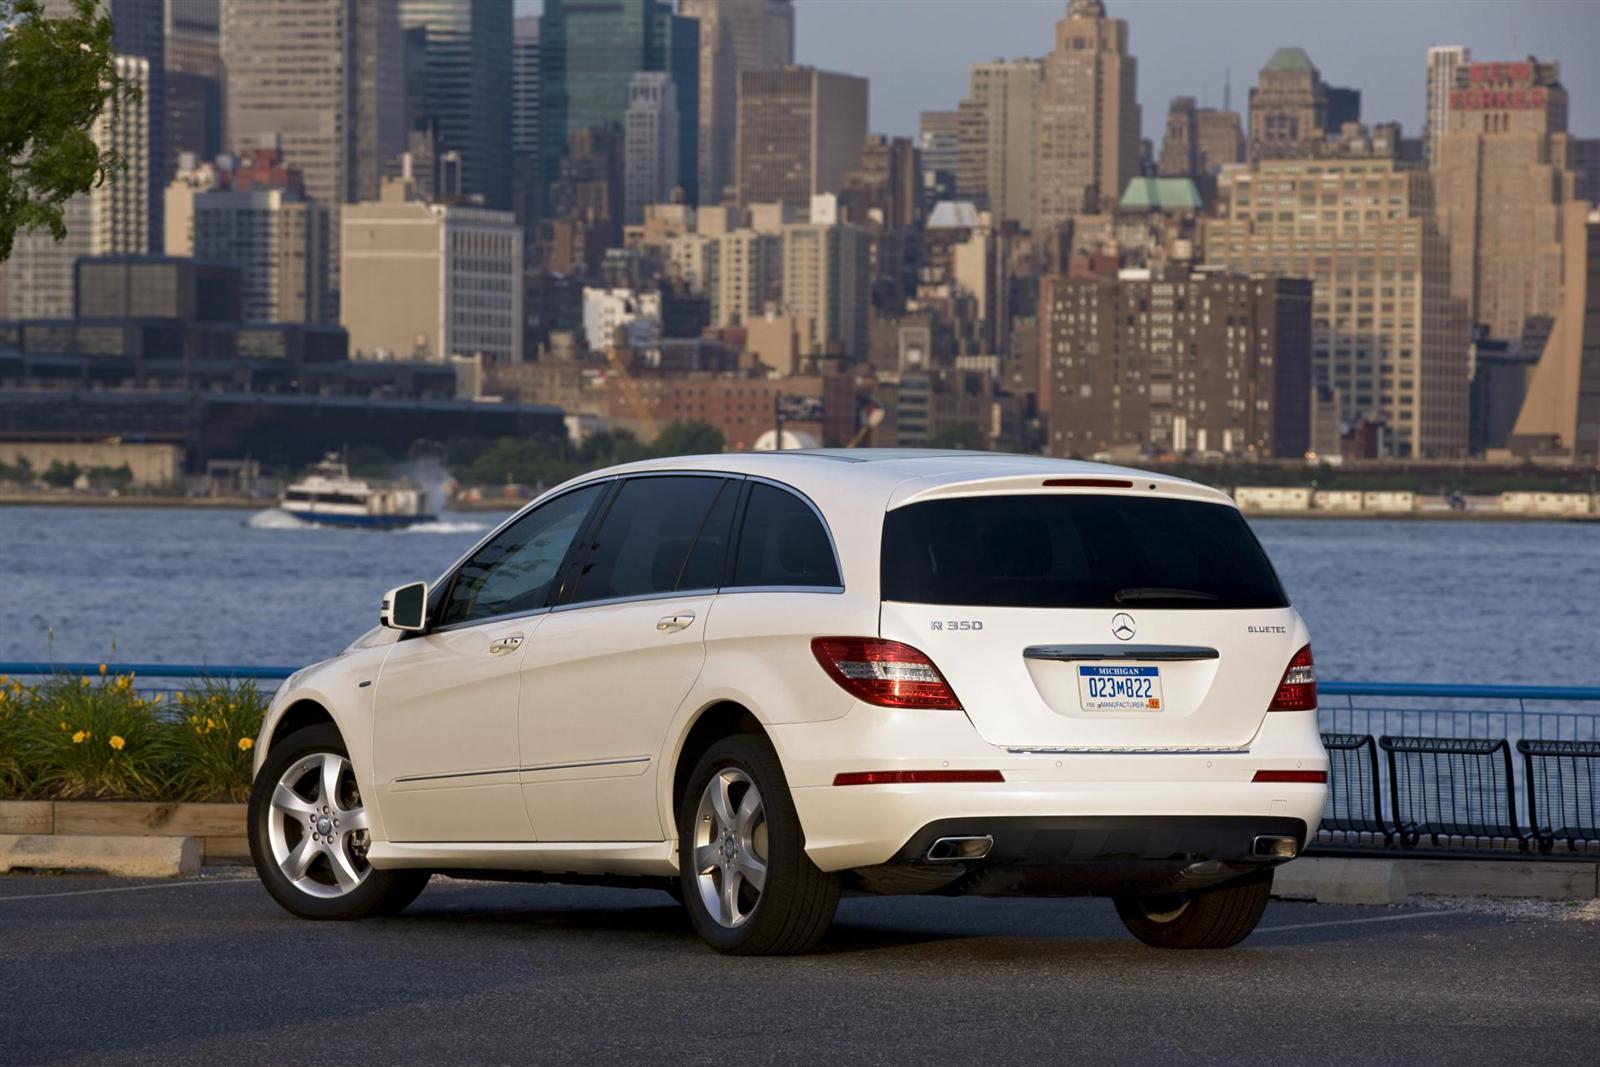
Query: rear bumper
x,y
1072,855
859,826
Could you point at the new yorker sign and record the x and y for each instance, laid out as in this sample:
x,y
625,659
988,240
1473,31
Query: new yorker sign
x,y
1500,87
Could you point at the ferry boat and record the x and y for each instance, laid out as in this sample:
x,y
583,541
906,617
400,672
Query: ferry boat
x,y
328,496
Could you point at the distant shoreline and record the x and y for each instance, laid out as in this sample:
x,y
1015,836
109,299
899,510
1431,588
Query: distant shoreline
x,y
52,500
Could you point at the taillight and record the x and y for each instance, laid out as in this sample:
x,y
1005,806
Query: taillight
x,y
1298,690
886,673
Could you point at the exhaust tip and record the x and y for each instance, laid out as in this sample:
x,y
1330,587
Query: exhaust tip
x,y
958,849
1275,847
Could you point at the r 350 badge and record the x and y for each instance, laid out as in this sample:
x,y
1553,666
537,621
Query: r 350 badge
x,y
956,624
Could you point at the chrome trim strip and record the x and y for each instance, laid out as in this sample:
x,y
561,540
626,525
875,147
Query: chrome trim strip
x,y
640,598
523,770
618,761
454,774
1093,653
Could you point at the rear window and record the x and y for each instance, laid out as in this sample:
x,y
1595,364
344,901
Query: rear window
x,y
1072,550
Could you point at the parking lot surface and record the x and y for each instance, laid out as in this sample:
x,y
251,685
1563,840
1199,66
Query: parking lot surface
x,y
210,971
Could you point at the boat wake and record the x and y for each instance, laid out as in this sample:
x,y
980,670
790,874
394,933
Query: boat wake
x,y
278,519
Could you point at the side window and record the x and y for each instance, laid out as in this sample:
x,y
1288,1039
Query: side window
x,y
514,572
782,542
644,540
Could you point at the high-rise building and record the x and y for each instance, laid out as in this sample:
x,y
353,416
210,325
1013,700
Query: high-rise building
x,y
827,288
939,138
800,134
1503,179
431,281
323,79
525,87
112,219
1443,62
746,275
468,96
1560,415
1088,128
588,55
1292,110
1220,139
1177,360
1387,336
194,81
735,36
253,213
650,143
1180,145
996,139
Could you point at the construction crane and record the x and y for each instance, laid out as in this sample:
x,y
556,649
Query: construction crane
x,y
871,419
630,392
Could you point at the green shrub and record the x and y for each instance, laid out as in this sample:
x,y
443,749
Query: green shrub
x,y
213,731
93,738
16,704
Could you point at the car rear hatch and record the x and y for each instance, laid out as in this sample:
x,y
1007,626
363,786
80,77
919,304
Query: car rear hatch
x,y
1091,614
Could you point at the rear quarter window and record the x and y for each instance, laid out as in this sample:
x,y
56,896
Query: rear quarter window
x,y
1076,550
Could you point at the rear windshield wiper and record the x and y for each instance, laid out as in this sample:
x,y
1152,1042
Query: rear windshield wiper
x,y
1123,596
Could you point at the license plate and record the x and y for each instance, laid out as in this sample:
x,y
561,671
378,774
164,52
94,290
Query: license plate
x,y
1119,688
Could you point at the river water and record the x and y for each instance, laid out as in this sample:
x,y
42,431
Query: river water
x,y
1425,601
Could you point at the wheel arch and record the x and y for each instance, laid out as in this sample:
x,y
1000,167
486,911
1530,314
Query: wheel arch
x,y
301,714
724,718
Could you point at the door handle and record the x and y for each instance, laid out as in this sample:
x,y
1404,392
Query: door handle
x,y
509,643
672,623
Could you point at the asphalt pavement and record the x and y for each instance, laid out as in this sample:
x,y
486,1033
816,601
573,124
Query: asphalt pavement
x,y
210,971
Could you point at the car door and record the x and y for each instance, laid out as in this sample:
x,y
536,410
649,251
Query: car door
x,y
445,723
619,653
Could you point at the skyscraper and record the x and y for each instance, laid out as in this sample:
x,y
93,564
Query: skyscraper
x,y
1502,179
322,80
650,143
800,134
735,36
193,105
525,87
322,77
588,55
468,95
1560,416
1292,110
1386,334
996,139
112,219
1088,130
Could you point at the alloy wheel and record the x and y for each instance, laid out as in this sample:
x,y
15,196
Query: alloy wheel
x,y
730,847
318,828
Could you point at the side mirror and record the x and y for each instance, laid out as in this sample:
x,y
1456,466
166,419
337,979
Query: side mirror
x,y
405,607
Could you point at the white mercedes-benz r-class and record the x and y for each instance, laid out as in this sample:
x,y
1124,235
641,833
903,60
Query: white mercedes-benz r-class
x,y
762,680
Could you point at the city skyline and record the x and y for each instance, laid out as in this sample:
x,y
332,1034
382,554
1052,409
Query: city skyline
x,y
1186,47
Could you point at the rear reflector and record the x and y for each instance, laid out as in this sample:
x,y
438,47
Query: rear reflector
x,y
886,673
1298,690
1307,777
1088,483
915,777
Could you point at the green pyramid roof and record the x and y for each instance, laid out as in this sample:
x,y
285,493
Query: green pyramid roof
x,y
1161,194
1290,59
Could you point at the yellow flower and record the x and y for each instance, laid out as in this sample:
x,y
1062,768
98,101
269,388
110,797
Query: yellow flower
x,y
85,682
155,698
246,744
211,724
116,742
80,737
63,725
102,670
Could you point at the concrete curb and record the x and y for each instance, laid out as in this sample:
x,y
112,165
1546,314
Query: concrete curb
x,y
1341,880
123,857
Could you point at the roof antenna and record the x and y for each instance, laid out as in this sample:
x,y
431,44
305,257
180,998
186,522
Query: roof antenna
x,y
1227,89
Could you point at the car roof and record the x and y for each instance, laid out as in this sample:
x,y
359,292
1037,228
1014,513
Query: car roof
x,y
897,475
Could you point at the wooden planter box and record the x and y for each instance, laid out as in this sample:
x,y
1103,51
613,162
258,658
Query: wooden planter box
x,y
218,829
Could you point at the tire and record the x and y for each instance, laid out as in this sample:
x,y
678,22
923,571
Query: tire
x,y
279,825
1213,918
794,905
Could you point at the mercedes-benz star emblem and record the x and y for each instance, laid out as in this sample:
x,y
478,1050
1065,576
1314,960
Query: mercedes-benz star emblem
x,y
1122,626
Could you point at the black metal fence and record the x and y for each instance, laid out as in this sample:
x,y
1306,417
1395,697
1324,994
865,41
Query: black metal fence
x,y
1431,767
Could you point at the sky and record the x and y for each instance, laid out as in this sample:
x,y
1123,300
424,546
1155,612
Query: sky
x,y
917,53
